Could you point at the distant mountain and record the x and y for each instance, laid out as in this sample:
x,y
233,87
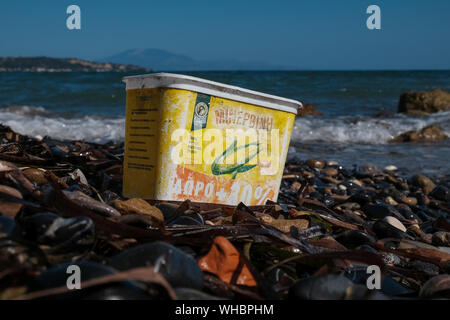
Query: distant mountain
x,y
162,60
46,64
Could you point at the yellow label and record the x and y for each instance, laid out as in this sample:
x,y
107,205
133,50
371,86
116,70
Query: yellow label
x,y
186,145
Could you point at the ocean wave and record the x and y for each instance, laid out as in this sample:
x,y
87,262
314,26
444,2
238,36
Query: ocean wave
x,y
366,130
37,121
33,121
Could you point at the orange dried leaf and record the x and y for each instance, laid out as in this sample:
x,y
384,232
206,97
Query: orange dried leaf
x,y
225,261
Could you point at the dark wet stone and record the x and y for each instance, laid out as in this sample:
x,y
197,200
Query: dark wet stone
x,y
328,201
368,170
330,287
180,269
193,219
58,276
408,214
429,269
385,230
436,287
394,193
59,153
379,211
423,216
441,238
388,286
363,196
346,173
168,210
366,248
318,163
192,294
354,238
7,225
441,193
64,235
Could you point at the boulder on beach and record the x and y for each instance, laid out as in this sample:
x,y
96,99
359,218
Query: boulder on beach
x,y
424,102
430,133
308,110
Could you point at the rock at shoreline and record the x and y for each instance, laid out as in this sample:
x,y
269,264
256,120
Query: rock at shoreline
x,y
424,102
308,110
430,133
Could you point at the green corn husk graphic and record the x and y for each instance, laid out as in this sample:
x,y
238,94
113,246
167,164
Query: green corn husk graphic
x,y
233,169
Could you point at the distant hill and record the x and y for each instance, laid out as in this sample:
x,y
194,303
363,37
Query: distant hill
x,y
162,60
46,64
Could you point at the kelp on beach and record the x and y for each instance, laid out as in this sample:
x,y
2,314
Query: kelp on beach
x,y
61,205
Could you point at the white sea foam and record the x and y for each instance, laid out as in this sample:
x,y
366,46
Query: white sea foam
x,y
35,121
365,130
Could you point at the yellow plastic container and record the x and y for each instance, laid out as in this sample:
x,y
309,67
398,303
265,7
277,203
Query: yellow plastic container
x,y
190,138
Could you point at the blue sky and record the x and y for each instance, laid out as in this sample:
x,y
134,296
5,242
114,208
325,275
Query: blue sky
x,y
309,34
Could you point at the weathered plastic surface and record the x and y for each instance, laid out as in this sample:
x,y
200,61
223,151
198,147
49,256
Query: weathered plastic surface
x,y
156,164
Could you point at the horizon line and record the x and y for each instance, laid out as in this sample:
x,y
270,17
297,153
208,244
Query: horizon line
x,y
293,69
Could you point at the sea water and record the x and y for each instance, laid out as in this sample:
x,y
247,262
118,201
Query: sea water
x,y
359,111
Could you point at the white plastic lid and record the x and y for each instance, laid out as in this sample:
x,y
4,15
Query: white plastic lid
x,y
178,81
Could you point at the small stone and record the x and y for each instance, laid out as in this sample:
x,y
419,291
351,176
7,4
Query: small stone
x,y
285,225
441,193
409,201
65,235
7,226
330,180
296,186
139,206
357,182
395,223
379,211
424,182
330,171
390,168
308,175
318,163
169,211
436,287
179,268
384,229
10,208
441,238
354,238
391,201
35,175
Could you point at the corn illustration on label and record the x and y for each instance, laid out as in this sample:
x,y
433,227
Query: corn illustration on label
x,y
181,144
